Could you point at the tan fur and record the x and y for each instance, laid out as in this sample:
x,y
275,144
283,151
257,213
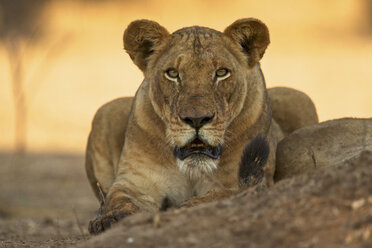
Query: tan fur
x,y
105,143
322,145
292,109
146,173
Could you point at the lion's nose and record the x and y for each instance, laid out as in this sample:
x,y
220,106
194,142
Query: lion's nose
x,y
197,122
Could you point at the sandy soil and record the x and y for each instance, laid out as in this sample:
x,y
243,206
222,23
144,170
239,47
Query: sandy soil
x,y
46,202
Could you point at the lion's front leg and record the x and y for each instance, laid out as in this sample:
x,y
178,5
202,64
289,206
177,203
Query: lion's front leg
x,y
117,206
143,187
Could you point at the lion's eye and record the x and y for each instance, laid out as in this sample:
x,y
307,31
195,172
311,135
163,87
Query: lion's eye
x,y
222,73
171,73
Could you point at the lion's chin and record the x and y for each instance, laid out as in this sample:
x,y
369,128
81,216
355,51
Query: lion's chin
x,y
197,165
197,147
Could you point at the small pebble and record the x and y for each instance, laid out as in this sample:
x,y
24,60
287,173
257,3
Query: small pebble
x,y
130,240
358,203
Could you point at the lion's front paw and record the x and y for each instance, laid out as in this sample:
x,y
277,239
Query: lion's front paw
x,y
105,221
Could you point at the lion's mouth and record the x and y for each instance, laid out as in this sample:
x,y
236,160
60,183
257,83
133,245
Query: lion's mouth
x,y
197,146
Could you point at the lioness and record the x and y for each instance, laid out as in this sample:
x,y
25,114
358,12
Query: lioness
x,y
201,111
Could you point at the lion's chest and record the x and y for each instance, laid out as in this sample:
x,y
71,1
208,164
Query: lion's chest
x,y
182,188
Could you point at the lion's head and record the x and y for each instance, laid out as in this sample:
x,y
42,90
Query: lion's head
x,y
198,81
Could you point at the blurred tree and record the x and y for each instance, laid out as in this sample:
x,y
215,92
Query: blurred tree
x,y
369,15
21,23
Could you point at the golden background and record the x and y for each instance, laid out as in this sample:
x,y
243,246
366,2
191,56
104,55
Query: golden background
x,y
323,48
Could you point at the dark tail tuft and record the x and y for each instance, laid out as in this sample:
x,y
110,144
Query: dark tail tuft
x,y
166,203
253,160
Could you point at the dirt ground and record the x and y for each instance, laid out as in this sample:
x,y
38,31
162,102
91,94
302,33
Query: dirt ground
x,y
44,201
47,202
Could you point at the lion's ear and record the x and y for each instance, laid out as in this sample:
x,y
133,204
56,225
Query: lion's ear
x,y
252,35
141,39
